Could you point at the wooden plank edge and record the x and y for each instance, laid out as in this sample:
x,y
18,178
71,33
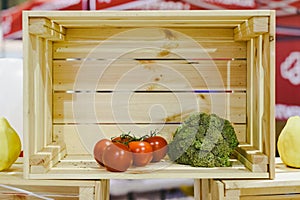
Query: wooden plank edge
x,y
217,190
253,167
44,160
253,155
102,189
44,28
254,27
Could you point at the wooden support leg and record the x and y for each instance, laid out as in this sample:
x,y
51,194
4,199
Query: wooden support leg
x,y
102,190
202,189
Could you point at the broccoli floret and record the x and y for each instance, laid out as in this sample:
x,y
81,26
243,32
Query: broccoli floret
x,y
203,140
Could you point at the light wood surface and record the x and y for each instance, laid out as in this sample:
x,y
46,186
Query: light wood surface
x,y
114,69
286,185
14,186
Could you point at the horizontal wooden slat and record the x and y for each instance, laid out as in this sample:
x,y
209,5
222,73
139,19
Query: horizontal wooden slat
x,y
84,137
149,75
138,33
152,23
128,107
85,167
184,48
289,196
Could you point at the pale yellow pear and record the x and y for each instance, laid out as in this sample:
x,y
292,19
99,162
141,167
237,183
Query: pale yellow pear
x,y
289,142
10,145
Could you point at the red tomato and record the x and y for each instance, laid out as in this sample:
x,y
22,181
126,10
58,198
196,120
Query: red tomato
x,y
117,157
142,152
159,146
99,149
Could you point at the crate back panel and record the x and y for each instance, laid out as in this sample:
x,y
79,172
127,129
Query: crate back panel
x,y
99,75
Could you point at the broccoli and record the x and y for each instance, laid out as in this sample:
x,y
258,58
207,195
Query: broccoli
x,y
203,140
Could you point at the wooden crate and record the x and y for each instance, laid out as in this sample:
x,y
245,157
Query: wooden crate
x,y
13,186
89,75
286,185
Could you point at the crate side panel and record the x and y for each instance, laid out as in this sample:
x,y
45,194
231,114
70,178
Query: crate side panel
x,y
131,107
149,75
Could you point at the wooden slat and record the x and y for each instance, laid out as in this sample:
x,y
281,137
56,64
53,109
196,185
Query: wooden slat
x,y
45,28
205,186
48,92
161,49
217,190
138,33
84,137
254,167
228,15
258,92
253,155
152,23
272,197
85,167
268,118
46,22
149,75
271,191
127,107
102,190
47,157
253,27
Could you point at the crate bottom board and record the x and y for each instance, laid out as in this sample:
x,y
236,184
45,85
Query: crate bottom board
x,y
85,167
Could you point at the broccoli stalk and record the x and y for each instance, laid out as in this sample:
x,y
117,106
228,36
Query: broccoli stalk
x,y
203,140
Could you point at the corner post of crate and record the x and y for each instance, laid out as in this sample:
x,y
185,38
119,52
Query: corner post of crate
x,y
202,189
217,190
102,189
268,122
27,124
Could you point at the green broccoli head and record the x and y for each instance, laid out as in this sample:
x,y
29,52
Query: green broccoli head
x,y
203,140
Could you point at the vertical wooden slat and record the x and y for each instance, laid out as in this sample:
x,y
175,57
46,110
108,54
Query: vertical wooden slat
x,y
197,189
205,189
254,99
258,86
250,67
28,117
102,190
48,93
268,119
40,90
217,190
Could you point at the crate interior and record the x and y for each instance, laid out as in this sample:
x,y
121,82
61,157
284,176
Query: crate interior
x,y
95,75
